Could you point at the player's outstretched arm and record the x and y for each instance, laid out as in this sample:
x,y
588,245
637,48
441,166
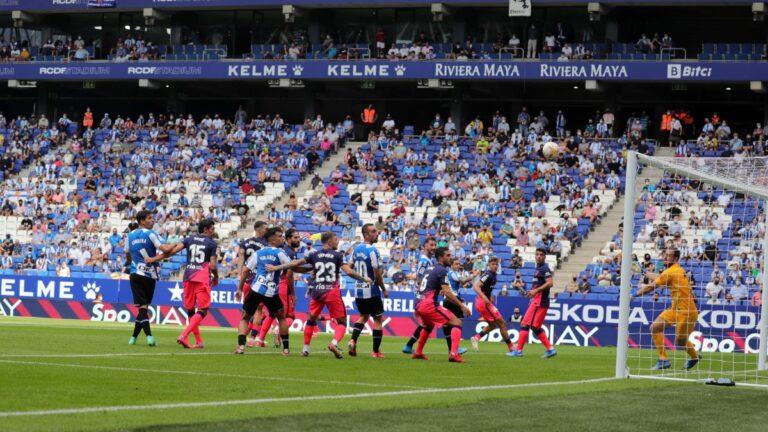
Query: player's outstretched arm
x,y
171,249
661,280
467,279
157,258
288,266
354,275
240,259
451,297
306,268
380,281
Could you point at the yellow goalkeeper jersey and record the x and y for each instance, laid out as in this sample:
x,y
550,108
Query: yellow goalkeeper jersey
x,y
679,288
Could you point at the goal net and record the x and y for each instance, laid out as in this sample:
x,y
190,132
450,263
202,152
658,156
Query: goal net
x,y
692,274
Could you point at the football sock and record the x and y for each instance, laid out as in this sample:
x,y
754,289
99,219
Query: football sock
x,y
356,329
522,339
265,326
692,353
658,342
542,335
377,335
415,337
338,333
241,340
455,340
447,334
193,323
423,336
143,319
285,339
196,333
309,330
136,328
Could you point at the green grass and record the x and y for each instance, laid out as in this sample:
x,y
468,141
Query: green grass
x,y
51,365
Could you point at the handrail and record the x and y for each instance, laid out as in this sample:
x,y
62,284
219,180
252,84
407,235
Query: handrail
x,y
670,51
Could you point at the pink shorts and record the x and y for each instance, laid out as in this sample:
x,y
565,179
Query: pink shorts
x,y
433,316
197,294
487,311
534,316
331,301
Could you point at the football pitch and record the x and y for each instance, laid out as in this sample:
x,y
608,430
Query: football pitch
x,y
58,375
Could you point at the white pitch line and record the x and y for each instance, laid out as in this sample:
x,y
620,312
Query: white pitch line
x,y
118,408
212,374
394,354
135,354
100,325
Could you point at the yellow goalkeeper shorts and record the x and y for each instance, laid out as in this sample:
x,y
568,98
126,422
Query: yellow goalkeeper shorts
x,y
683,320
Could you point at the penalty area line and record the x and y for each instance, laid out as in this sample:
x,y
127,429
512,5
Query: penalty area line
x,y
105,409
210,374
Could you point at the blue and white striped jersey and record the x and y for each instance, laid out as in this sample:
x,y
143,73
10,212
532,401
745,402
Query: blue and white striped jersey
x,y
264,282
365,258
454,281
142,243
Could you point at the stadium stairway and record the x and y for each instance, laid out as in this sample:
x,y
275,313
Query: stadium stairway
x,y
324,171
604,231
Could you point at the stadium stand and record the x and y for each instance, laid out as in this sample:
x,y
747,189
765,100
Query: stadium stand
x,y
448,186
701,222
82,189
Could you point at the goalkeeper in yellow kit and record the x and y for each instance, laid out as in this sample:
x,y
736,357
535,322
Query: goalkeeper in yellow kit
x,y
682,314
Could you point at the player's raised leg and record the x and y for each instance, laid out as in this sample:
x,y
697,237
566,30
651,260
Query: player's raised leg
x,y
422,341
255,326
309,330
339,329
201,297
537,308
408,347
498,323
250,304
266,324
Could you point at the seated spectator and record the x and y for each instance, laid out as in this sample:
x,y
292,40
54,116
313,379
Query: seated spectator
x,y
372,205
738,291
605,278
518,284
573,286
584,285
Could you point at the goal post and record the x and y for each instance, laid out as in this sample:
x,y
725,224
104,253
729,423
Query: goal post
x,y
713,211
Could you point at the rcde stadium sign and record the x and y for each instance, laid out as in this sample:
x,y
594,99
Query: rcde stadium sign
x,y
391,70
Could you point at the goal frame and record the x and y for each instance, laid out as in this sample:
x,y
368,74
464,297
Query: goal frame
x,y
630,200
